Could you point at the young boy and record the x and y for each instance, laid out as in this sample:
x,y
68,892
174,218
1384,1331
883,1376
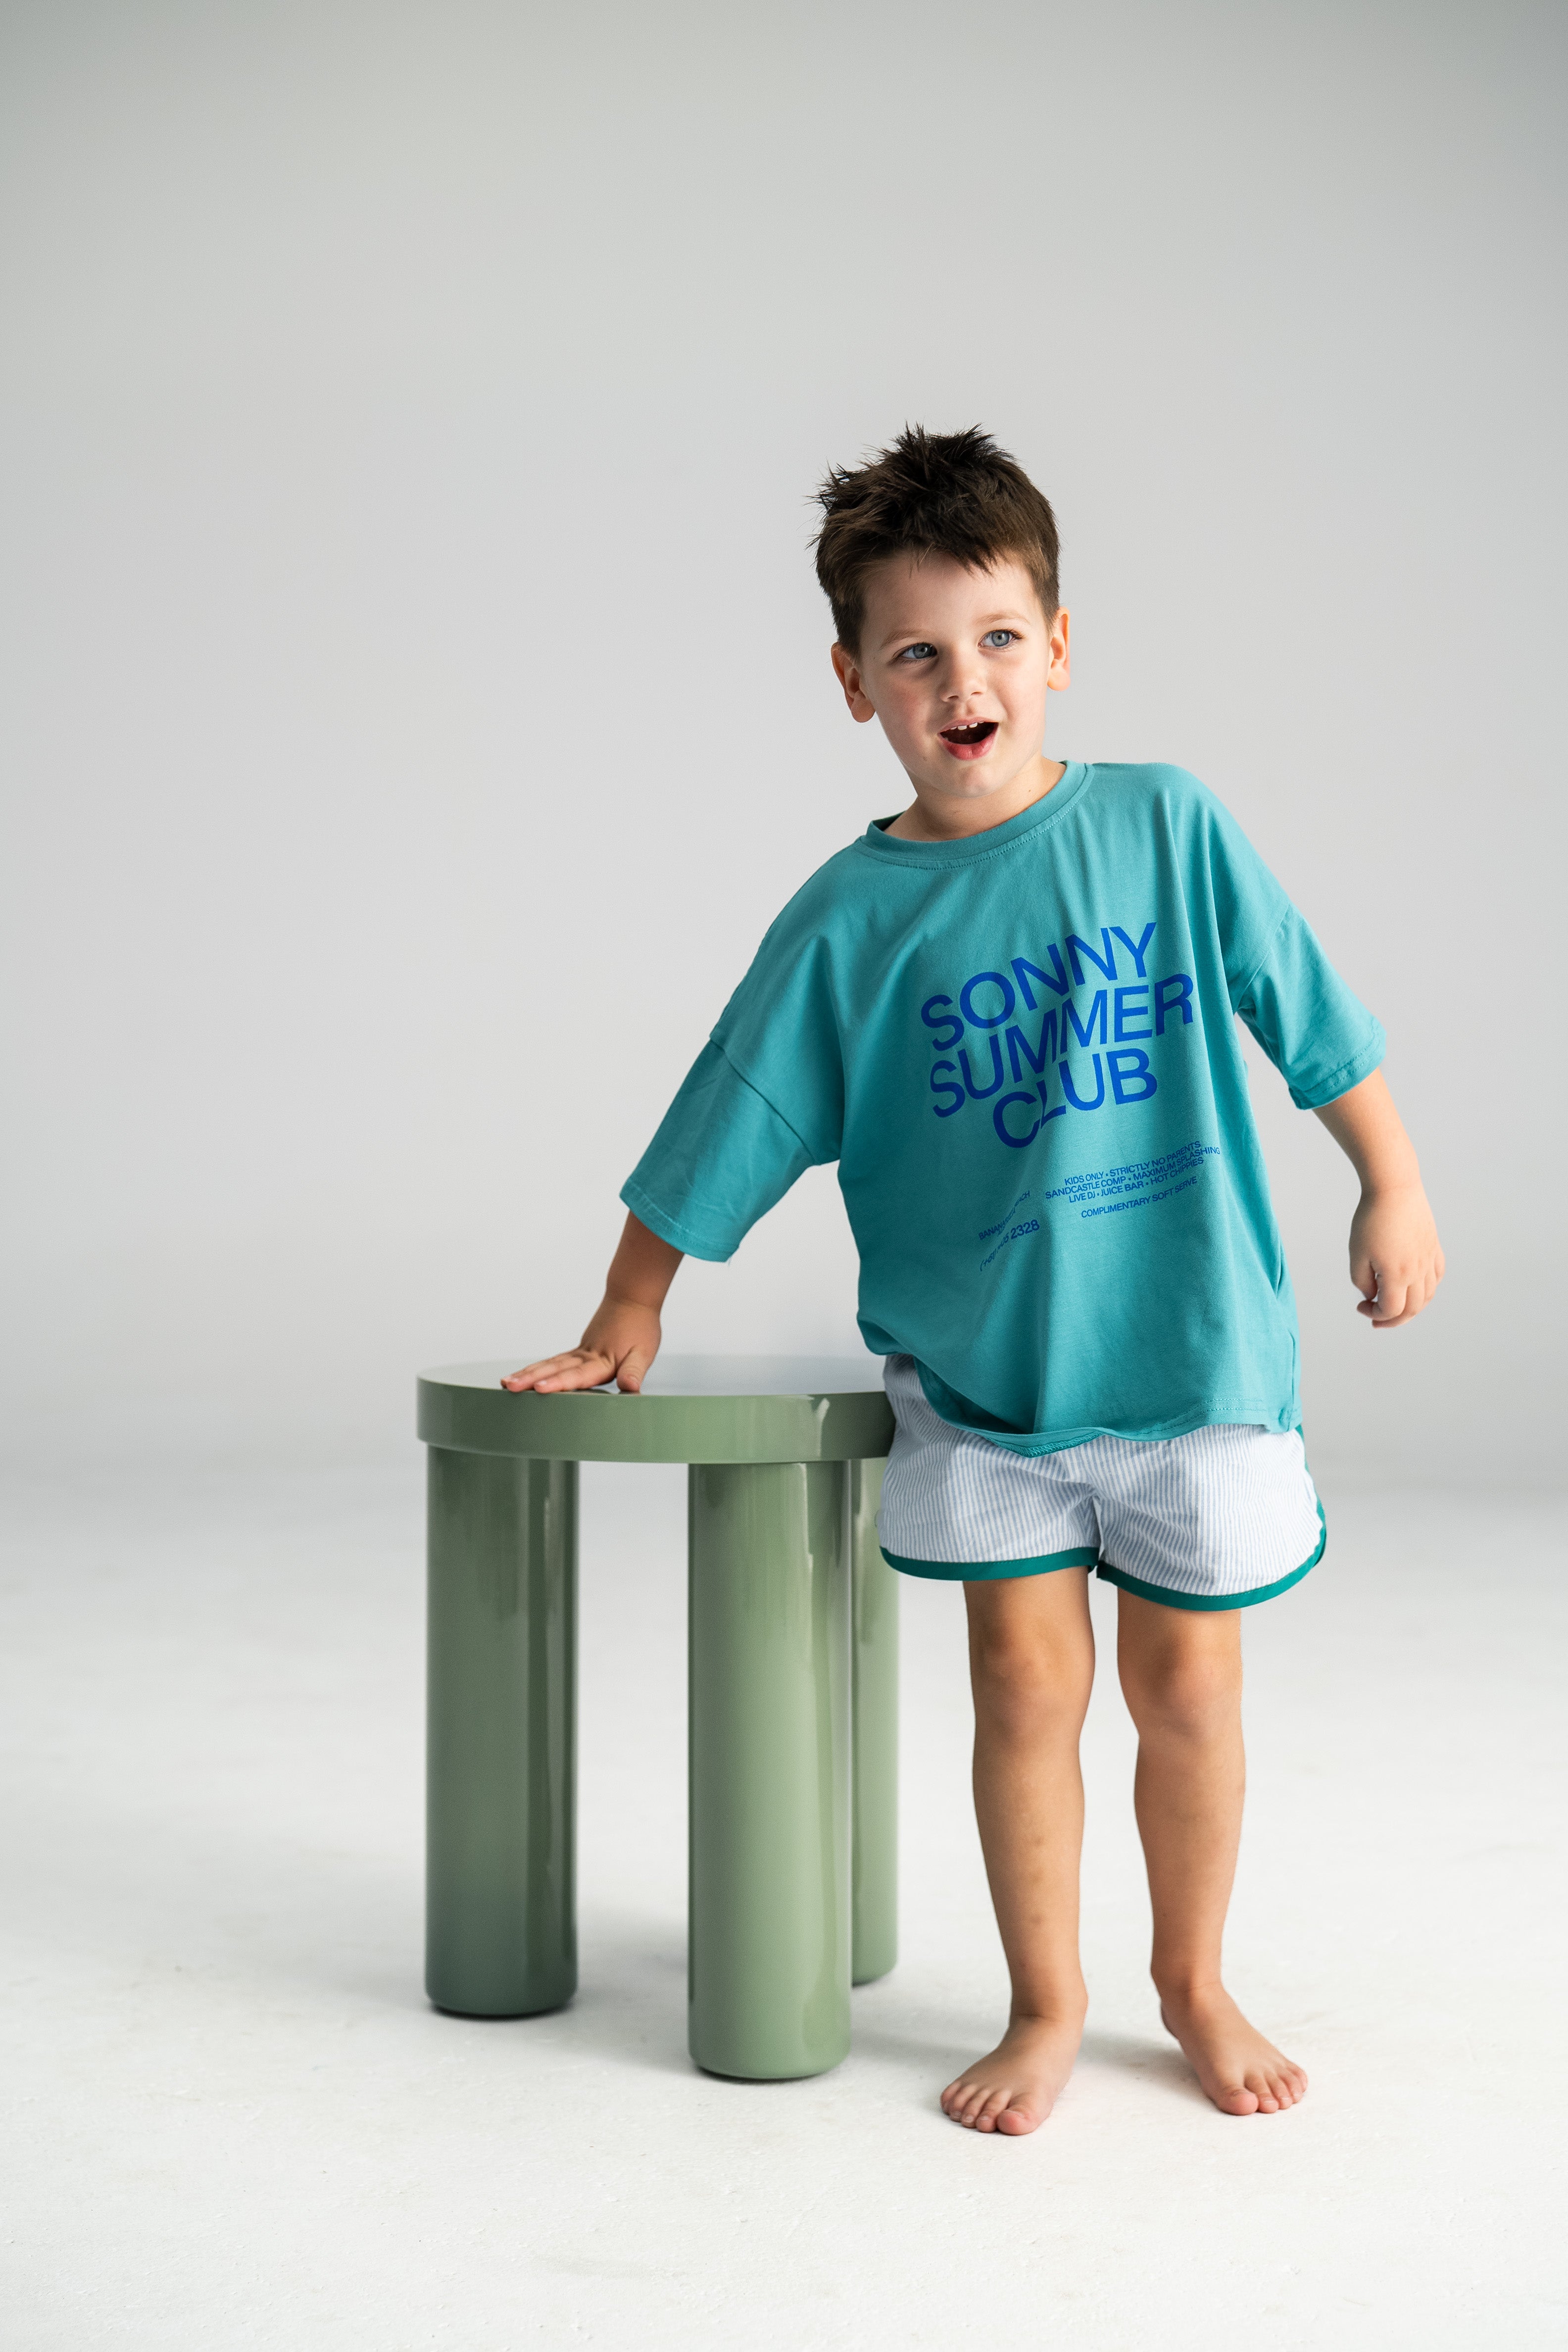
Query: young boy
x,y
1009,1014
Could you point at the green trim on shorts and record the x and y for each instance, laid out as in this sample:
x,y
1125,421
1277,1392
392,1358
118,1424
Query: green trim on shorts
x,y
982,1571
986,1572
1169,1600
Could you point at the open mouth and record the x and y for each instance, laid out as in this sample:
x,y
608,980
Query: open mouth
x,y
969,743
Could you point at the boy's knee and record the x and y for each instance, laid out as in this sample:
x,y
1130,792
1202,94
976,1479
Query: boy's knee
x,y
1183,1689
1022,1683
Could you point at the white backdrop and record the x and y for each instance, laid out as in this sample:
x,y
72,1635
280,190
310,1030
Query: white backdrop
x,y
417,700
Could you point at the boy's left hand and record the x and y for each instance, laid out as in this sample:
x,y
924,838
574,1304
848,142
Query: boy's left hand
x,y
1396,1259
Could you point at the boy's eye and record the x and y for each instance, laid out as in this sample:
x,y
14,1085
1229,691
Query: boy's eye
x,y
917,652
999,636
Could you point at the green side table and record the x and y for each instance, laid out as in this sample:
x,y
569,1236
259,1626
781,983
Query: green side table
x,y
794,1628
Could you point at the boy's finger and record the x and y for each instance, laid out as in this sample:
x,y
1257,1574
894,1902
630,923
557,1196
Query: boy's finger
x,y
533,1373
1391,1297
582,1371
558,1371
1386,1302
1402,1302
632,1370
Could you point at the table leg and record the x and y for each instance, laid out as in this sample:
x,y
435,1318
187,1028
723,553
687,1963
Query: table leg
x,y
769,1768
500,1901
874,1683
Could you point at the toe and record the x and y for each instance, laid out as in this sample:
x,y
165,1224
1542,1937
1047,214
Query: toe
x,y
1021,2117
1236,2099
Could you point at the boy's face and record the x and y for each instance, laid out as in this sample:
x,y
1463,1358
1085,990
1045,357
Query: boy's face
x,y
957,663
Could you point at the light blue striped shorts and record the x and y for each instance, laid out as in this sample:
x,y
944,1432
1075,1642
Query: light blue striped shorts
x,y
1217,1519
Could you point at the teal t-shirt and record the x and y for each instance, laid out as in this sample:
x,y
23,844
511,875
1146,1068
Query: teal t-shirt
x,y
1021,1051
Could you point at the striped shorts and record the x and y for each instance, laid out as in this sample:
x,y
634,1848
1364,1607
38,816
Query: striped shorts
x,y
1217,1519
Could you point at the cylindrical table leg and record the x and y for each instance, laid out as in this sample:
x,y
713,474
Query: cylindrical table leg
x,y
769,1768
875,1685
500,1890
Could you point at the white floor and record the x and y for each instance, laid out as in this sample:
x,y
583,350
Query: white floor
x,y
232,2121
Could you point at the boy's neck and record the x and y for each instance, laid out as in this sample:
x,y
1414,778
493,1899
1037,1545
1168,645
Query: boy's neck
x,y
953,816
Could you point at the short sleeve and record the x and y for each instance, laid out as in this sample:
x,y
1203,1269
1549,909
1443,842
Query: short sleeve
x,y
1320,1037
722,1159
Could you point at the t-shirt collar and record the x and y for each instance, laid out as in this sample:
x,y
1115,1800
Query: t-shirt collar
x,y
1045,811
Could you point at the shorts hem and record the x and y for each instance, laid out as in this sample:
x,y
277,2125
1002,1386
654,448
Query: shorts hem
x,y
1169,1599
985,1571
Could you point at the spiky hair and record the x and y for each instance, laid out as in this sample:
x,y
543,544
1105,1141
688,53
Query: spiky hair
x,y
931,494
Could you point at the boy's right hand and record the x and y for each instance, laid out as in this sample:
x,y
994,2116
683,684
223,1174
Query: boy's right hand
x,y
622,1341
618,1345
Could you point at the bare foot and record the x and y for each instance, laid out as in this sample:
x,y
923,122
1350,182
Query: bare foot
x,y
1014,2087
1241,2073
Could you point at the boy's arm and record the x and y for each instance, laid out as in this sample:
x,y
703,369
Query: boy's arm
x,y
1397,1262
622,1339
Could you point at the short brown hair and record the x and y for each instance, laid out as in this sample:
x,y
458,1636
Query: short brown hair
x,y
931,494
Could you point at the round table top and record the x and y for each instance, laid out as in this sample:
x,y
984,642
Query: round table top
x,y
691,1409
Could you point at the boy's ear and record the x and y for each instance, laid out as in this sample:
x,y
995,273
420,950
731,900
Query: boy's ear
x,y
1058,677
847,669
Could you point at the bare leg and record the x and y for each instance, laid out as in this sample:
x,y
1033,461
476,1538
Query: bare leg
x,y
1031,1658
1181,1674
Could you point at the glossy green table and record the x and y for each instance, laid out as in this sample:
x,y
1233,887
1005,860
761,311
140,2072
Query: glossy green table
x,y
792,1693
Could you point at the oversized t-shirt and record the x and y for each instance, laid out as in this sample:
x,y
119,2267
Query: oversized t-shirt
x,y
1021,1051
